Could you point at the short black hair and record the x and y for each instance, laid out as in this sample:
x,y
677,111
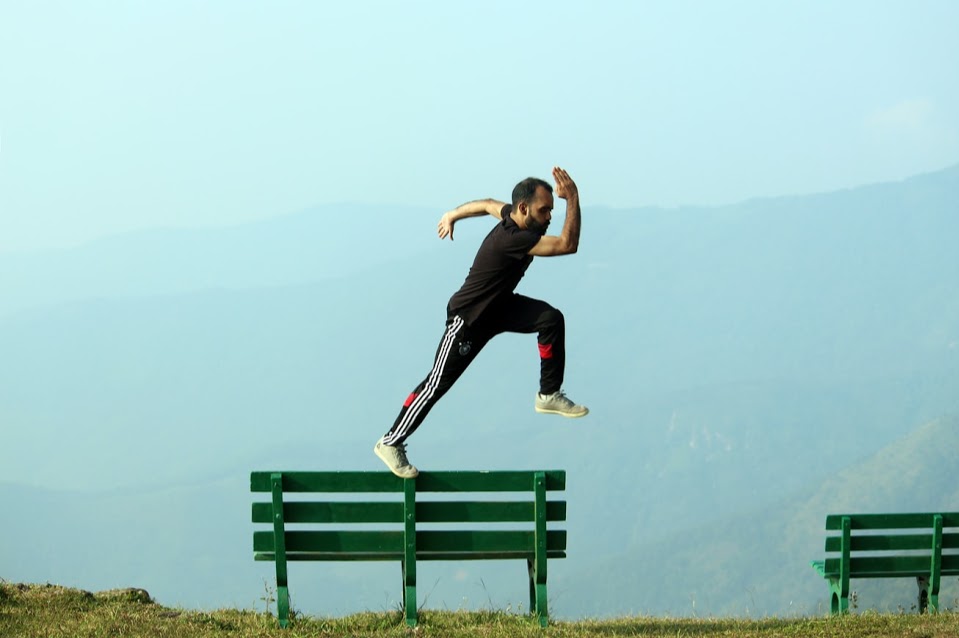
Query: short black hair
x,y
525,191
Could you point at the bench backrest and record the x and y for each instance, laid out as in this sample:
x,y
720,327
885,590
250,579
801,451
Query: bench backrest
x,y
402,507
889,545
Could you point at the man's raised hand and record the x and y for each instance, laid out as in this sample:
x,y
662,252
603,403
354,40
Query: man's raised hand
x,y
565,186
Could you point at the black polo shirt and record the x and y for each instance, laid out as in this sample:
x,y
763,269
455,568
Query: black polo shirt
x,y
500,263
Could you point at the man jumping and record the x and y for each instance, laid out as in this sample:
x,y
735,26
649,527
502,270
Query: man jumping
x,y
486,306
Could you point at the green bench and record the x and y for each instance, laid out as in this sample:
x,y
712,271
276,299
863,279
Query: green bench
x,y
889,546
320,526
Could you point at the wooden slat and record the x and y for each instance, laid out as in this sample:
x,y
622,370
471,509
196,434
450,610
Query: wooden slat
x,y
889,564
350,542
485,511
359,482
332,512
428,541
558,553
950,541
506,481
334,482
381,556
392,512
331,556
950,564
950,567
486,541
892,521
890,542
880,566
865,542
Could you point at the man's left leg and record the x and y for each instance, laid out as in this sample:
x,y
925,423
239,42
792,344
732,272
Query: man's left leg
x,y
526,315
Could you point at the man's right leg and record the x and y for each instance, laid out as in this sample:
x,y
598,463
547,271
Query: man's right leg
x,y
457,349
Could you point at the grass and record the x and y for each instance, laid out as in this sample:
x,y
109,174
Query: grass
x,y
50,611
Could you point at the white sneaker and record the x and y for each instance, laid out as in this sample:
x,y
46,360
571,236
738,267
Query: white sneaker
x,y
395,458
559,403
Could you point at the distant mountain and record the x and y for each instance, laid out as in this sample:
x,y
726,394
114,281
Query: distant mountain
x,y
311,245
343,239
757,562
730,357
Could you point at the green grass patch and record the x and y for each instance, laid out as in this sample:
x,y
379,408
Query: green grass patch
x,y
50,611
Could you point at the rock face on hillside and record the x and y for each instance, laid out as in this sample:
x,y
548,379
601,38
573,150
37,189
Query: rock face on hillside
x,y
59,592
129,594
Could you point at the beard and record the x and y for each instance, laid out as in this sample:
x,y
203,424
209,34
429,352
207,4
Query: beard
x,y
535,226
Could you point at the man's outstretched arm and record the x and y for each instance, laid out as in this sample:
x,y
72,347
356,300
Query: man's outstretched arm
x,y
567,242
469,209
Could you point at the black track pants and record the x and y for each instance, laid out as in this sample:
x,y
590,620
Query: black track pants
x,y
461,343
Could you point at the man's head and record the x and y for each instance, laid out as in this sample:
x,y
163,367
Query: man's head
x,y
533,204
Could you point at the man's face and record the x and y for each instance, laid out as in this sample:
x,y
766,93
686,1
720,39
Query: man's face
x,y
540,211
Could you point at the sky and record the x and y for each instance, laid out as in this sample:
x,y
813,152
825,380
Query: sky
x,y
118,117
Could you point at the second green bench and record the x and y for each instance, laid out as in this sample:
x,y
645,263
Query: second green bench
x,y
889,546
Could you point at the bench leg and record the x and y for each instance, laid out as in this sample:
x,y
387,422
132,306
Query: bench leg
x,y
928,597
537,595
838,600
541,612
283,605
409,596
532,585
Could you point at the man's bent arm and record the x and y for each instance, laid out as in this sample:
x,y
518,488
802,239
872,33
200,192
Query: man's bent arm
x,y
469,209
567,242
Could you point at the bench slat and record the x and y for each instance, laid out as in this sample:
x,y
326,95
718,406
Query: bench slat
x,y
392,512
889,566
342,512
485,511
483,541
891,542
381,556
358,482
487,541
329,482
506,481
891,521
350,542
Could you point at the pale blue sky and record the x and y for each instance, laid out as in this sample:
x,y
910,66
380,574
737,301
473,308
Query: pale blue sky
x,y
119,116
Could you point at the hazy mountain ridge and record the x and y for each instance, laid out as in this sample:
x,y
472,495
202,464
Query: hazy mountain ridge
x,y
302,247
296,248
729,356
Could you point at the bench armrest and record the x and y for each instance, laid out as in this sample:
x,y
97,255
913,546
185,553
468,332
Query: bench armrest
x,y
819,566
